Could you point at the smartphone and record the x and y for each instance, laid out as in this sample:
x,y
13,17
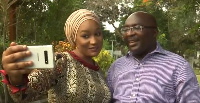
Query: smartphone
x,y
42,57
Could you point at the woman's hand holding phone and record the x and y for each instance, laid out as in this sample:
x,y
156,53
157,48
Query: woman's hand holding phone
x,y
16,70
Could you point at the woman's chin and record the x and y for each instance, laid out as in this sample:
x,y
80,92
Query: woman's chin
x,y
94,54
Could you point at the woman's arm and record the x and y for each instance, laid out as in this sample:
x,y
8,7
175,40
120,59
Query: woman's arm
x,y
40,81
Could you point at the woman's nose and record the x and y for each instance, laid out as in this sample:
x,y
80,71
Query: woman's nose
x,y
93,40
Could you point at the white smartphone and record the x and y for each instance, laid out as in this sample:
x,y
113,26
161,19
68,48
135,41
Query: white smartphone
x,y
42,56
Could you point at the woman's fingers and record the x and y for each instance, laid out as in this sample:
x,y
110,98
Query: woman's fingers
x,y
13,44
16,73
15,56
14,49
17,65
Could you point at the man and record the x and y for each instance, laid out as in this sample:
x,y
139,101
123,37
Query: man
x,y
148,73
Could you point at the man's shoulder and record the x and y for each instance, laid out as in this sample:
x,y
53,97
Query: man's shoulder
x,y
174,56
122,62
118,66
121,59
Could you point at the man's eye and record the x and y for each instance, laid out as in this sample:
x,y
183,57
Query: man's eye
x,y
126,29
137,27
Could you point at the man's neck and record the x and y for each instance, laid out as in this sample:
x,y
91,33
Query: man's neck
x,y
144,53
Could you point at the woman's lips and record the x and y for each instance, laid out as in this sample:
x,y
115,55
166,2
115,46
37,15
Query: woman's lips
x,y
94,49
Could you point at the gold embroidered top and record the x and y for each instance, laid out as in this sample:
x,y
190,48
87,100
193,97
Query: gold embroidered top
x,y
69,82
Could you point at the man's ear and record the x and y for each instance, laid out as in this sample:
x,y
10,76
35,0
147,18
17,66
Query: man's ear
x,y
155,33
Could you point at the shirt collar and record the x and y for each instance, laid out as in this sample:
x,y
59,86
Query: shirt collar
x,y
158,49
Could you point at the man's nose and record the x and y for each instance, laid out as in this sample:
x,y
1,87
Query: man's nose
x,y
130,32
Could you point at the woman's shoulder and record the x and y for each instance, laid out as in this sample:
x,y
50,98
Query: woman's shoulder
x,y
62,55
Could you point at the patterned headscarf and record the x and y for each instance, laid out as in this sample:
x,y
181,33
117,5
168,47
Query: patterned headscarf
x,y
74,21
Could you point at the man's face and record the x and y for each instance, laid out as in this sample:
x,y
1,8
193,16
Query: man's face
x,y
140,34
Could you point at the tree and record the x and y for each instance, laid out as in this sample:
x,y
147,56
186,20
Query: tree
x,y
44,21
183,24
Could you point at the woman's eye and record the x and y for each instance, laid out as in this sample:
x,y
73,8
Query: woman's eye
x,y
85,36
98,34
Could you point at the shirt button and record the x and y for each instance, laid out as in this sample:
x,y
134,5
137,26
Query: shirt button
x,y
133,95
137,79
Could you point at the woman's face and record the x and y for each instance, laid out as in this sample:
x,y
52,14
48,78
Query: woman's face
x,y
89,39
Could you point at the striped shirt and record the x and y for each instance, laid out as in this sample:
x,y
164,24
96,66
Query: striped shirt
x,y
160,77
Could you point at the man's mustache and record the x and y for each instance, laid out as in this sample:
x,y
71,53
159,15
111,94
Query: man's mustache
x,y
132,38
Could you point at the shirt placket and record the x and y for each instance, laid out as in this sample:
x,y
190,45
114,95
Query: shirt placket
x,y
136,83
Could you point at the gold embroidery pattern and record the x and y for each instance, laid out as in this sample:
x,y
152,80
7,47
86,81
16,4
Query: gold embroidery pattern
x,y
82,85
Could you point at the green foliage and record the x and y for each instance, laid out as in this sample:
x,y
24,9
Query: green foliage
x,y
41,22
2,47
197,71
198,78
162,40
104,60
106,45
182,19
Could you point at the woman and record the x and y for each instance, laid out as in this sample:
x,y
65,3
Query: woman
x,y
76,77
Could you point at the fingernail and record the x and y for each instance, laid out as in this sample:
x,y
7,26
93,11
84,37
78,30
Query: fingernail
x,y
30,62
28,52
24,46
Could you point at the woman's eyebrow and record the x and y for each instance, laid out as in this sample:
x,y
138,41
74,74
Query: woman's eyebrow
x,y
84,31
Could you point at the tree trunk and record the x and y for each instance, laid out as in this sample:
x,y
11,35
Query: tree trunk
x,y
12,22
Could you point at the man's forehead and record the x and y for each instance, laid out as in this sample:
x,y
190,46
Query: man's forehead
x,y
133,20
141,18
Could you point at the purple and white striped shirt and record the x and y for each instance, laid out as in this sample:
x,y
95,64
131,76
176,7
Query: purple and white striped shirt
x,y
160,77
